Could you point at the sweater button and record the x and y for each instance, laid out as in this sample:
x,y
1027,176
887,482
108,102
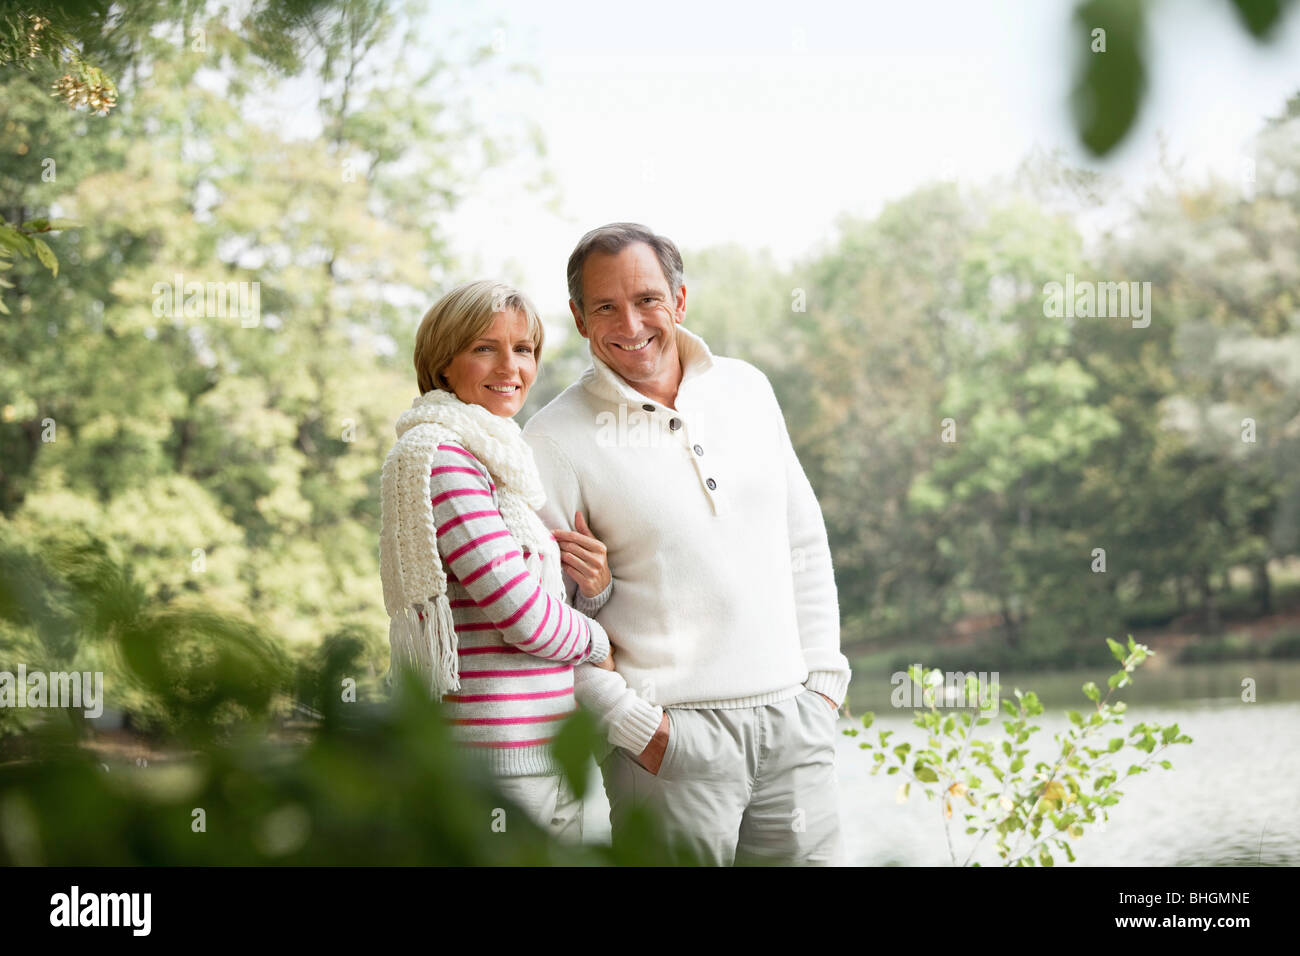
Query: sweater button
x,y
648,408
675,423
712,484
697,449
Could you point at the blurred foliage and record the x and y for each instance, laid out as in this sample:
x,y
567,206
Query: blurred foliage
x,y
1108,41
375,782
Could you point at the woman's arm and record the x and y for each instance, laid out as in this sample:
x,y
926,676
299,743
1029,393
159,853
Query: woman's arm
x,y
479,551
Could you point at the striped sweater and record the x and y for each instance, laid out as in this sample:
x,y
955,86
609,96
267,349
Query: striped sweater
x,y
517,644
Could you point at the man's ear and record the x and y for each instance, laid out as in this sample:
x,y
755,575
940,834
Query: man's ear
x,y
577,318
679,307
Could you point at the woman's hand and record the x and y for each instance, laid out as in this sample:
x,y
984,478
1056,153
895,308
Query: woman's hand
x,y
583,556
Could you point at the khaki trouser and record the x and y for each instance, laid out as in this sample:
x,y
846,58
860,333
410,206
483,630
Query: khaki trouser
x,y
750,785
549,802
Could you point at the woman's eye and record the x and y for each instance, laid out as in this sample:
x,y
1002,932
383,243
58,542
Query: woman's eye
x,y
528,349
482,347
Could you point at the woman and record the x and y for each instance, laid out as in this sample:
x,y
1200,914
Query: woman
x,y
472,578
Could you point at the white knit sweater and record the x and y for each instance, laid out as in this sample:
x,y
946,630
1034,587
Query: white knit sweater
x,y
724,594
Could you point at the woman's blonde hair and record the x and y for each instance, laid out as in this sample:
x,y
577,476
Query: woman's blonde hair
x,y
459,318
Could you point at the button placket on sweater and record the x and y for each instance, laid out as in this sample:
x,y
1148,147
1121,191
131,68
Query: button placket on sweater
x,y
680,425
692,445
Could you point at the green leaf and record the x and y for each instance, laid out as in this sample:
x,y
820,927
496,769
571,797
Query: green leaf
x,y
868,719
925,773
1116,743
1116,649
575,742
1075,717
46,255
1091,692
1260,16
15,240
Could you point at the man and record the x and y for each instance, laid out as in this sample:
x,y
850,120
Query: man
x,y
722,611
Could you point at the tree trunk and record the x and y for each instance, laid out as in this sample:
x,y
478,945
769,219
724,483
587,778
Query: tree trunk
x,y
1010,626
1263,587
1209,602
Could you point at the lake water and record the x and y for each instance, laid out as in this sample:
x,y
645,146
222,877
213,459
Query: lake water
x,y
1230,799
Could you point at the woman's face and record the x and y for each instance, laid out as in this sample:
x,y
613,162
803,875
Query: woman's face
x,y
497,369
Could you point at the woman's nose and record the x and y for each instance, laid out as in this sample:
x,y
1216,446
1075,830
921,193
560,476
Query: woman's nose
x,y
509,362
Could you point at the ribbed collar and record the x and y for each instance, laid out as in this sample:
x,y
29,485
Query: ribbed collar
x,y
603,381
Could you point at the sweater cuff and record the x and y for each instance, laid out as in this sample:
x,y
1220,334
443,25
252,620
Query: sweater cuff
x,y
589,606
834,684
599,644
634,729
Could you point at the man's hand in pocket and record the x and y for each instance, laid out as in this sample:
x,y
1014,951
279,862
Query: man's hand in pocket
x,y
653,756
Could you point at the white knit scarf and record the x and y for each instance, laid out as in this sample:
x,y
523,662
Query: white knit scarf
x,y
414,580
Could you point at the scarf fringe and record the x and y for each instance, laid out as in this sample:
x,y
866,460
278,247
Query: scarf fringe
x,y
428,646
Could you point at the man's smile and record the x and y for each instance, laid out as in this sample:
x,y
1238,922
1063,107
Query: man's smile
x,y
634,348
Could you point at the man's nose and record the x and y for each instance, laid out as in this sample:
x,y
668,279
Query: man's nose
x,y
627,320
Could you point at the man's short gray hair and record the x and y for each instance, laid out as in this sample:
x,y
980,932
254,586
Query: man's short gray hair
x,y
612,239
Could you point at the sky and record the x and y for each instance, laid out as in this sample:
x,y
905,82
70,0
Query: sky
x,y
762,123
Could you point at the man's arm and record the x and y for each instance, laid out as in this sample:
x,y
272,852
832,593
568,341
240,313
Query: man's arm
x,y
816,598
629,719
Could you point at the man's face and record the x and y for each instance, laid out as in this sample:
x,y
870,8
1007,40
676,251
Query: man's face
x,y
630,315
